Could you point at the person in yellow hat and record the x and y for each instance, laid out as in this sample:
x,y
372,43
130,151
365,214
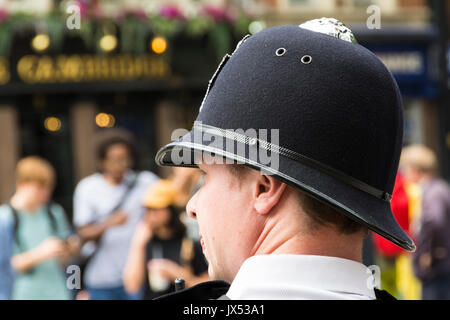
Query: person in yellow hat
x,y
160,250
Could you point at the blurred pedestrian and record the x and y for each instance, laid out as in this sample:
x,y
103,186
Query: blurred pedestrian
x,y
161,251
107,207
432,258
41,239
408,285
187,183
388,252
6,247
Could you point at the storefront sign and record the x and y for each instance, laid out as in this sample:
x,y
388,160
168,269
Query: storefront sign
x,y
411,66
44,69
89,68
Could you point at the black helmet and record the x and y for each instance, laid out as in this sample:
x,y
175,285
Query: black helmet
x,y
332,112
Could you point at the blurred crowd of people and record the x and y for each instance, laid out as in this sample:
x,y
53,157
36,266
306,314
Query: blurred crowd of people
x,y
131,238
421,205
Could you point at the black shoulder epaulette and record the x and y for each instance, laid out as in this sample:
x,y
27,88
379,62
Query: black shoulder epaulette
x,y
209,290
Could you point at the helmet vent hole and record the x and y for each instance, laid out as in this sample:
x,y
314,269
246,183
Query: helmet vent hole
x,y
280,52
306,59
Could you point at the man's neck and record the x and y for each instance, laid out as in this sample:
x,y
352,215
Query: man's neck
x,y
113,180
334,247
289,237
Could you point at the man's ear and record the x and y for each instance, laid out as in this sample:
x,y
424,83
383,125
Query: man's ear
x,y
268,193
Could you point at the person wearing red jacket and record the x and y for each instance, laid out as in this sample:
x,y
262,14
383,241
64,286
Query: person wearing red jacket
x,y
387,251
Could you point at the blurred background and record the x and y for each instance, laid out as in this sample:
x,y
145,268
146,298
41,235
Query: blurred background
x,y
144,66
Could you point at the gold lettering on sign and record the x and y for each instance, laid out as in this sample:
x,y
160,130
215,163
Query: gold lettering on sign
x,y
44,69
4,71
87,68
25,68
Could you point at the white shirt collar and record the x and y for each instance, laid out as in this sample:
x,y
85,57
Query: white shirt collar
x,y
301,277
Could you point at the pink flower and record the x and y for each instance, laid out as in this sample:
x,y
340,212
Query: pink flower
x,y
83,8
133,12
4,15
98,13
218,14
139,14
171,12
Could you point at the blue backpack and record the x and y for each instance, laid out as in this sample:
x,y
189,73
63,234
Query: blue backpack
x,y
6,248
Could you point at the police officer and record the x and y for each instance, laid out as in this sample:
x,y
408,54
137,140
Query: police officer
x,y
298,138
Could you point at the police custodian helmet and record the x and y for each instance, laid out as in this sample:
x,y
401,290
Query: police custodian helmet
x,y
337,109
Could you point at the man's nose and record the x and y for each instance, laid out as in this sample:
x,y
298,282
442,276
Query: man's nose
x,y
191,206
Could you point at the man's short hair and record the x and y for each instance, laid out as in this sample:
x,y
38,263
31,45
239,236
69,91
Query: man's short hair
x,y
322,214
36,169
319,213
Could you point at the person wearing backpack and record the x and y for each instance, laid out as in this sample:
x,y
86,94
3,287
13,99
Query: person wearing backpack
x,y
6,244
41,237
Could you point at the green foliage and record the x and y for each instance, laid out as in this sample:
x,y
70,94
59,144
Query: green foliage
x,y
220,37
166,27
133,32
6,37
198,26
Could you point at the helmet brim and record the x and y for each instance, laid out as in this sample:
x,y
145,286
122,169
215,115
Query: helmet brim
x,y
364,208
